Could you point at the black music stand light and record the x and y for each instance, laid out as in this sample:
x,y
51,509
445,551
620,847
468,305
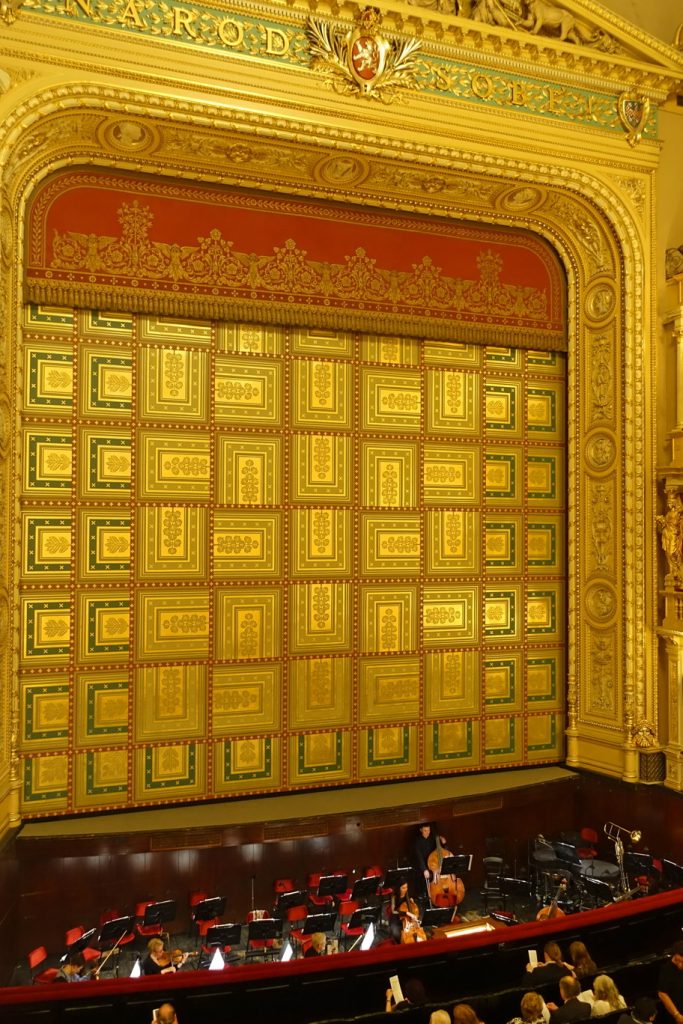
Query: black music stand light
x,y
638,863
113,932
433,917
206,910
319,923
295,898
224,935
456,864
159,913
332,885
365,888
395,877
599,891
673,873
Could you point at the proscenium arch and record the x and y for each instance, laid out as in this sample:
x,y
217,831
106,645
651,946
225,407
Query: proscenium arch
x,y
599,240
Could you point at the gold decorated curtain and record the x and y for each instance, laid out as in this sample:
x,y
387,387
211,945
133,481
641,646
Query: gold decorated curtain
x,y
266,558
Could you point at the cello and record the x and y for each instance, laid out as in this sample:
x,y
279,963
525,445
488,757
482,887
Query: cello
x,y
408,911
553,910
444,890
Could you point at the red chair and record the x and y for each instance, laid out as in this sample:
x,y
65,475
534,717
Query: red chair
x,y
312,883
281,885
90,955
588,850
37,957
346,912
147,931
195,898
296,935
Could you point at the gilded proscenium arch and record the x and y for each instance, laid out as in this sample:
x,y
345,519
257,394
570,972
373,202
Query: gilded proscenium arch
x,y
594,247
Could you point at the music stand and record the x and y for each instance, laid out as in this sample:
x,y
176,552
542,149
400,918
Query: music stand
x,y
434,917
319,923
640,863
206,910
79,945
266,930
331,885
295,898
516,889
456,864
567,854
600,892
673,873
364,916
364,888
395,877
159,913
224,935
114,931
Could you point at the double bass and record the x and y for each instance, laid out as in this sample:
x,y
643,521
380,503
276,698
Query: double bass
x,y
553,910
444,890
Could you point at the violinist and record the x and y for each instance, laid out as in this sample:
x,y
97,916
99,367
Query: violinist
x,y
160,961
72,970
408,913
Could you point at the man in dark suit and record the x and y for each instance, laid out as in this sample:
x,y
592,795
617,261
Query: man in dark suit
x,y
572,1008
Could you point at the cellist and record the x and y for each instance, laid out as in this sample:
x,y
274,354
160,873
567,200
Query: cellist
x,y
408,913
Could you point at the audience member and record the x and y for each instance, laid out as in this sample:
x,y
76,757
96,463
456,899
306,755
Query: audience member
x,y
532,1009
165,1015
572,1008
440,1017
644,1012
604,996
413,995
552,968
463,1013
581,960
670,985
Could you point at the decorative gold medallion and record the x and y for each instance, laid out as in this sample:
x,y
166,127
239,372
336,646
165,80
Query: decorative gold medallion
x,y
634,111
362,61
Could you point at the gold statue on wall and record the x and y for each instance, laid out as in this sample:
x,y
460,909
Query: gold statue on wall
x,y
670,526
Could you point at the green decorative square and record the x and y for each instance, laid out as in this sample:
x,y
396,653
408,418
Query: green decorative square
x,y
32,525
30,694
510,748
511,561
552,625
265,773
33,650
511,628
550,528
30,796
111,322
551,744
90,787
57,358
509,698
502,355
510,426
95,482
450,755
551,426
54,440
511,462
548,460
378,762
95,363
103,648
189,779
110,566
318,769
44,315
542,359
552,694
92,729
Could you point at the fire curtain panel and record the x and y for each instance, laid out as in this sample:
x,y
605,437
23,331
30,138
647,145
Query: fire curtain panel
x,y
264,558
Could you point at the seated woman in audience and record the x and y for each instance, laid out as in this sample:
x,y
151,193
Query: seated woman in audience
x,y
532,1010
413,995
440,1017
604,997
581,961
463,1013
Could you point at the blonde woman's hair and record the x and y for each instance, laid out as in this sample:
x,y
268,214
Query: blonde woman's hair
x,y
531,1006
605,989
440,1017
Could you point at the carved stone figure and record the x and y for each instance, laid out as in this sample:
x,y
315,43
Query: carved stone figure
x,y
671,528
674,261
540,17
506,13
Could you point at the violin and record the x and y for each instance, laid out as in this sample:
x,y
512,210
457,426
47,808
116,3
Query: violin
x,y
444,890
173,959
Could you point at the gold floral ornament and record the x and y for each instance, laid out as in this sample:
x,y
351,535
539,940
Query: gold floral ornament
x,y
8,10
362,61
634,111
